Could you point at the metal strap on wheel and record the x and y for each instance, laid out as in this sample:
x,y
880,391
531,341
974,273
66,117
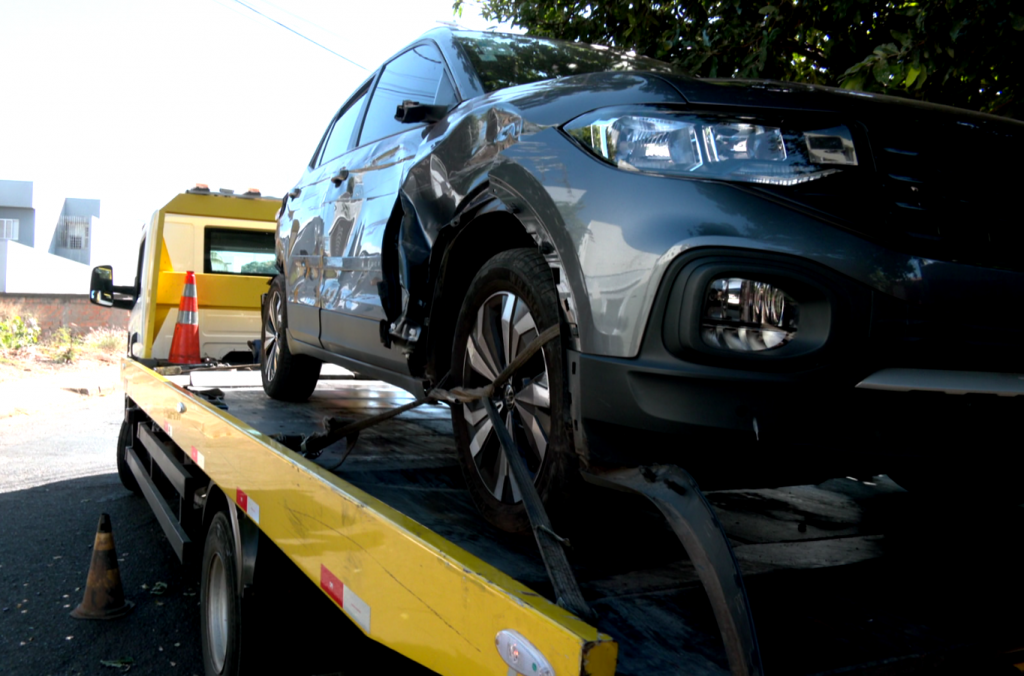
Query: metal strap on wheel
x,y
567,591
688,512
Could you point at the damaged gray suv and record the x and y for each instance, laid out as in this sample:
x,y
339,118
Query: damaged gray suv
x,y
765,283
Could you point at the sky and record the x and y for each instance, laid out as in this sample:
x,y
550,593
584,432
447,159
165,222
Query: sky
x,y
133,101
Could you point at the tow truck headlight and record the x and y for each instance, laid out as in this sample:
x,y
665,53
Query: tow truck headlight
x,y
746,315
731,148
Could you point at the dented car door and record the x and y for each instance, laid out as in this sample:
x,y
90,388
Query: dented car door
x,y
357,210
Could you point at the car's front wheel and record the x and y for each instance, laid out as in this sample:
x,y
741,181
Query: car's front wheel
x,y
510,301
286,376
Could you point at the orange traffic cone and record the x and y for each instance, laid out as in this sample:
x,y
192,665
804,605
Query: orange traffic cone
x,y
104,597
185,343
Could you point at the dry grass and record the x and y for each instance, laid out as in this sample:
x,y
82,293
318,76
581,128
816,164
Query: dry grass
x,y
52,373
107,341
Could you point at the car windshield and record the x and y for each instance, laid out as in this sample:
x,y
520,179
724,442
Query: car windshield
x,y
502,60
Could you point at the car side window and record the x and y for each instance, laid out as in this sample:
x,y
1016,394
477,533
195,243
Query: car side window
x,y
340,138
417,75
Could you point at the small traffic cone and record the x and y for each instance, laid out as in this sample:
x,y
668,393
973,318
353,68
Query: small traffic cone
x,y
185,343
104,598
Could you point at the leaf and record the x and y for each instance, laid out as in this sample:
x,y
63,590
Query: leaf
x,y
912,73
854,83
902,38
921,77
1018,22
954,33
768,9
121,663
881,71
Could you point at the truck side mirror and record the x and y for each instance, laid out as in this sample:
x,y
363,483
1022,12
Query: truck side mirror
x,y
102,290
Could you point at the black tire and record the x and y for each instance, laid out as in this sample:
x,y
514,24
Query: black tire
x,y
286,376
517,282
125,439
227,650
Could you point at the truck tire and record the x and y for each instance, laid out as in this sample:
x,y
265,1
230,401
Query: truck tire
x,y
509,302
227,649
125,439
286,376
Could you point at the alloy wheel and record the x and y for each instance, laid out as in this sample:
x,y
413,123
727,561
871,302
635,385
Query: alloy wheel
x,y
504,327
272,332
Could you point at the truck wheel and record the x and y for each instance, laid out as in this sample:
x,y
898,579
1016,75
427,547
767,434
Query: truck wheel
x,y
226,652
286,376
124,473
509,302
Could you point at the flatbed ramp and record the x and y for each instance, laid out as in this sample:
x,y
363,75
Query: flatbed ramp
x,y
845,577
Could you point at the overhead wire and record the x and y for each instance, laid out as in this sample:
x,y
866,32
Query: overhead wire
x,y
296,32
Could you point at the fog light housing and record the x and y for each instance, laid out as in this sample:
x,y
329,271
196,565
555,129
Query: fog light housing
x,y
745,315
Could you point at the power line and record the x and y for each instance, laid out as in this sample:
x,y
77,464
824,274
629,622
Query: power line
x,y
301,35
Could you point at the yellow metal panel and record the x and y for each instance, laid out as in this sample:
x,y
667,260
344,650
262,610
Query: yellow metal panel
x,y
214,290
223,206
156,238
423,596
600,658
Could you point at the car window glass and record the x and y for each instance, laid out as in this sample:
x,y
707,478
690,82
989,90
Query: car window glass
x,y
417,75
508,60
341,134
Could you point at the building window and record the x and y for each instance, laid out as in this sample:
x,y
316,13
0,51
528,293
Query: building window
x,y
9,228
73,232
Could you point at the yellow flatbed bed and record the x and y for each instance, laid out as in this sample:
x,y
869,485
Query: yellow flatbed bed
x,y
848,576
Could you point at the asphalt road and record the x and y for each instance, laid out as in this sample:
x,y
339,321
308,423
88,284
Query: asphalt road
x,y
57,475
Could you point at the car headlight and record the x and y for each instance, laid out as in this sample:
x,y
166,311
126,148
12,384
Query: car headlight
x,y
731,148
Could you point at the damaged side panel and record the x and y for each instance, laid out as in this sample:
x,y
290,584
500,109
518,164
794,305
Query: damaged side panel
x,y
495,151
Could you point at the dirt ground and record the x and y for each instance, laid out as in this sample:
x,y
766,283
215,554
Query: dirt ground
x,y
31,380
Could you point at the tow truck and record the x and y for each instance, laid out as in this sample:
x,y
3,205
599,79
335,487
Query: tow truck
x,y
360,489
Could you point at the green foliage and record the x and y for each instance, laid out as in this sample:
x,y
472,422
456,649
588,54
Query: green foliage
x,y
16,333
260,268
966,53
65,345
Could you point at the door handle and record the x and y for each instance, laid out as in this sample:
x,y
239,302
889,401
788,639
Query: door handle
x,y
340,177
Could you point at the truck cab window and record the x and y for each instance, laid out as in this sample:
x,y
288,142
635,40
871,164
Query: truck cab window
x,y
238,252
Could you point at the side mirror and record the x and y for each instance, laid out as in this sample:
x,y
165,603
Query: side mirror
x,y
102,291
411,111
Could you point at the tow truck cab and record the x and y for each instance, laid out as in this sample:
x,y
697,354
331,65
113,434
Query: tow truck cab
x,y
227,240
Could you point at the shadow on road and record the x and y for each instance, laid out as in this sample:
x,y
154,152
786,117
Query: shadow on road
x,y
46,537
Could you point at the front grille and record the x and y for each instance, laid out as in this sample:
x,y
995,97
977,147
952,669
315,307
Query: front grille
x,y
963,334
939,188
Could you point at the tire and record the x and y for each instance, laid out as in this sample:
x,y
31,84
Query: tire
x,y
125,439
227,651
516,284
286,376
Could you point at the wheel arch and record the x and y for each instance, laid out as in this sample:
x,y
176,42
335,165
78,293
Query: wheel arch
x,y
490,229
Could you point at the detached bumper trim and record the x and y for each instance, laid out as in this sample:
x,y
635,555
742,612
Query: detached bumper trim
x,y
949,382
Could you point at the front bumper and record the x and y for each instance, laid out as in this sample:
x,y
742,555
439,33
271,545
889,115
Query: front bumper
x,y
895,383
